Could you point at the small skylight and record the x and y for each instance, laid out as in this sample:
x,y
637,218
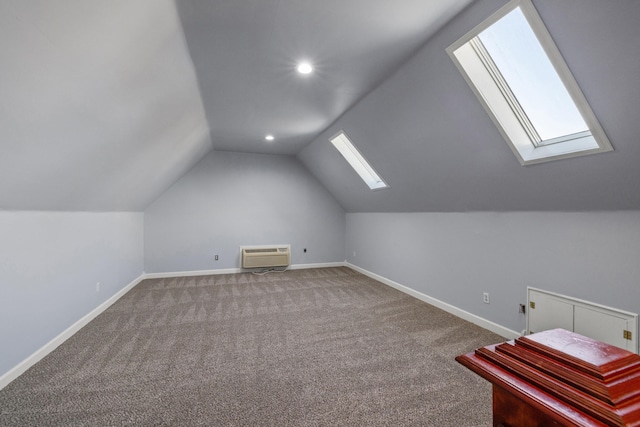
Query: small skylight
x,y
269,137
358,162
519,76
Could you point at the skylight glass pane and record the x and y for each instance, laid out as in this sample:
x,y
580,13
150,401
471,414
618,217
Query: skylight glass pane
x,y
523,63
357,162
520,78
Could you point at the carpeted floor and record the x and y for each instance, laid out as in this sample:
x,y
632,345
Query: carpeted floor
x,y
317,347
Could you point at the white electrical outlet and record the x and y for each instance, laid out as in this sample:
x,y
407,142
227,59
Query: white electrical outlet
x,y
98,287
485,297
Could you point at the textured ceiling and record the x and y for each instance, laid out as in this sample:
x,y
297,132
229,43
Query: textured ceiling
x,y
245,54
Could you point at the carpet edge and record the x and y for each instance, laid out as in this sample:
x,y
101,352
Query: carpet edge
x,y
39,354
463,314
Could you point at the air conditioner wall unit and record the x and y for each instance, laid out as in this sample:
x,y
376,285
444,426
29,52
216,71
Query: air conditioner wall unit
x,y
265,256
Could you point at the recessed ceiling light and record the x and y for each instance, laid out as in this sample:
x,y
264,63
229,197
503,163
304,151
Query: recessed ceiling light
x,y
304,68
269,137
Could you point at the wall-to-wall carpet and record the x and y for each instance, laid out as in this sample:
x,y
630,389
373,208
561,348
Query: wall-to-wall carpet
x,y
312,347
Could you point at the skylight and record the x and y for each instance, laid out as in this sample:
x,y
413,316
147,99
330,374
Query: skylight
x,y
518,74
358,162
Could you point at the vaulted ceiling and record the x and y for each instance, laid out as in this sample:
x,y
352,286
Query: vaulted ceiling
x,y
103,105
245,55
101,108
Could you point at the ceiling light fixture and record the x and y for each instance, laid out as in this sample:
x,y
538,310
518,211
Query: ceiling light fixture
x,y
304,68
269,137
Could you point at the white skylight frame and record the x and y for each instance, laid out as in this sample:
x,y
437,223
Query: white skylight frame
x,y
357,161
505,114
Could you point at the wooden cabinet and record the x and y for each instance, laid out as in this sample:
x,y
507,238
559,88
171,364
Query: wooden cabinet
x,y
559,378
547,310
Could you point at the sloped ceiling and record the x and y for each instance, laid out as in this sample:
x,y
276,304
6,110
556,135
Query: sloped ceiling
x,y
103,105
99,104
102,109
430,139
245,53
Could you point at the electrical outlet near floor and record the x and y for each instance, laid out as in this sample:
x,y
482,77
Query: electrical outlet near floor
x,y
485,297
98,287
215,257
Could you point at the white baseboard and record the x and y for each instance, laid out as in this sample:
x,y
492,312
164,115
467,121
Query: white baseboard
x,y
476,320
234,270
20,368
170,274
319,265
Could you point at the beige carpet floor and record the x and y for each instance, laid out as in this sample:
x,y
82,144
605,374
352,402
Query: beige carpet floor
x,y
317,347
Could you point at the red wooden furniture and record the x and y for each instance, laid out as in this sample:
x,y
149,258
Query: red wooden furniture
x,y
559,378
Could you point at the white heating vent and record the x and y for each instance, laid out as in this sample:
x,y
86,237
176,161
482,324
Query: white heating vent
x,y
262,257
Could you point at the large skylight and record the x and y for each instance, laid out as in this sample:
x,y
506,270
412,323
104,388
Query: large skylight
x,y
358,162
518,74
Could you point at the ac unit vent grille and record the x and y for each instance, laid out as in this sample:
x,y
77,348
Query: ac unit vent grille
x,y
256,251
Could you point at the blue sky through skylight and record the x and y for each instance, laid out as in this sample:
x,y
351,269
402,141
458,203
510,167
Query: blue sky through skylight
x,y
516,51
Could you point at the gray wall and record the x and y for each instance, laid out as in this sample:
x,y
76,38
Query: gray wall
x,y
233,199
455,257
51,262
